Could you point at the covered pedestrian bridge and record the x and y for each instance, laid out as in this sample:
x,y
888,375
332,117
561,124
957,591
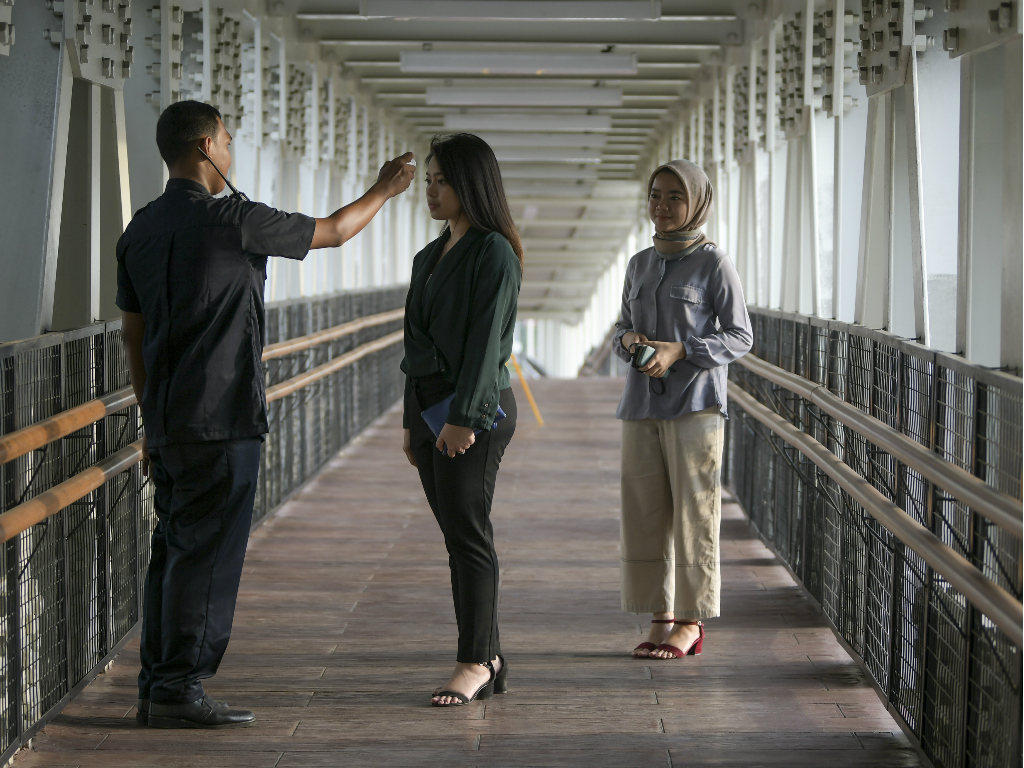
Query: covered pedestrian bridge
x,y
867,165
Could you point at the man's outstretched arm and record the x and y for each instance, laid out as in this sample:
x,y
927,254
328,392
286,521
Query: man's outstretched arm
x,y
394,178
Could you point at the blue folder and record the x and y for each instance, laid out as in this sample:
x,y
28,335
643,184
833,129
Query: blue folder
x,y
436,416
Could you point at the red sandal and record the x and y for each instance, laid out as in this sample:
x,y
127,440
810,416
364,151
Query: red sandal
x,y
647,645
694,650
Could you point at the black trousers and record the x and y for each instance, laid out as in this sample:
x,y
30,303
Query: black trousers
x,y
204,494
460,491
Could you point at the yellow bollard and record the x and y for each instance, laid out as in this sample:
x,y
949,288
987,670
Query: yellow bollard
x,y
526,388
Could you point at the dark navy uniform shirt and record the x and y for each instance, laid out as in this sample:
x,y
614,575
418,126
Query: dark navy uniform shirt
x,y
194,266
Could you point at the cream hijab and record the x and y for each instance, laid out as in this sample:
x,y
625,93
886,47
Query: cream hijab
x,y
700,198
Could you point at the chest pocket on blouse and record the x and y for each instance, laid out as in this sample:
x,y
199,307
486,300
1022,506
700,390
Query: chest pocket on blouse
x,y
690,293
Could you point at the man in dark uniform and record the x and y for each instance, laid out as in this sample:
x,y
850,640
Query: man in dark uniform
x,y
191,272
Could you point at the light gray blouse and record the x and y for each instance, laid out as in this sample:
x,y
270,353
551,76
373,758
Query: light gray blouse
x,y
696,299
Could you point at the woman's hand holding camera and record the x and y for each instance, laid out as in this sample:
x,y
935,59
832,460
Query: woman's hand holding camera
x,y
666,353
454,439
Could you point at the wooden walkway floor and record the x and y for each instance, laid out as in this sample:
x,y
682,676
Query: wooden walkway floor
x,y
345,624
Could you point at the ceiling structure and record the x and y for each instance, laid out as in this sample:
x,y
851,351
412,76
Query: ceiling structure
x,y
569,93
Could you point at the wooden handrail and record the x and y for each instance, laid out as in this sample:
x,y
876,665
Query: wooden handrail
x,y
993,601
1003,510
278,391
290,346
35,436
22,441
37,509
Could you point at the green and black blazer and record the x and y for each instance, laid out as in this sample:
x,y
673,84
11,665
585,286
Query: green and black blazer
x,y
459,322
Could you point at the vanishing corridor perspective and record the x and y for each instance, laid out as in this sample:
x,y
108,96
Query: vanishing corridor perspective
x,y
867,165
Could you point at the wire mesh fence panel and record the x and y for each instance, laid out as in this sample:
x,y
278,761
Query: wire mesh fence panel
x,y
73,584
802,350
878,601
998,419
771,339
40,578
883,404
910,606
784,499
942,725
42,619
130,514
85,521
787,344
837,364
818,354
994,679
915,409
952,677
814,512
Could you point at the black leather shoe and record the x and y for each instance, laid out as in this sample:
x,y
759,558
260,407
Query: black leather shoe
x,y
142,712
204,713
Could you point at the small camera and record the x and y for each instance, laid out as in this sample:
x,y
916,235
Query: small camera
x,y
641,355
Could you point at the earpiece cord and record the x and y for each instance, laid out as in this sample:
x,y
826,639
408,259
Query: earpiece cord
x,y
234,192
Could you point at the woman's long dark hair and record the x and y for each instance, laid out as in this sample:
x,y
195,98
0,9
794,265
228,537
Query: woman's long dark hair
x,y
470,167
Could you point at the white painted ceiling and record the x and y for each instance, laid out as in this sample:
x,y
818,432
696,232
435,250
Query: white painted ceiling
x,y
570,142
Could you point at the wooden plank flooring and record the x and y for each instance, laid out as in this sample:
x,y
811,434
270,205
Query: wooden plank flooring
x,y
345,624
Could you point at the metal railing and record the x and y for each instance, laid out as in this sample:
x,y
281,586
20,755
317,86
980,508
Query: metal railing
x,y
76,515
888,477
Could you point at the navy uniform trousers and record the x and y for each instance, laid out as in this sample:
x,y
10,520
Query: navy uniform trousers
x,y
204,494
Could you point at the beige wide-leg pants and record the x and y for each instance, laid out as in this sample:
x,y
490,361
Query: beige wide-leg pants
x,y
671,515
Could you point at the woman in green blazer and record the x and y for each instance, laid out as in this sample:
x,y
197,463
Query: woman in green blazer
x,y
459,317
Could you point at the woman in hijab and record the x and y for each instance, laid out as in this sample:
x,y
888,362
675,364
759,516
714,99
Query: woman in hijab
x,y
683,321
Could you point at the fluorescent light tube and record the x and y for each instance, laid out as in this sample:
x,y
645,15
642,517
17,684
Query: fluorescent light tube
x,y
573,140
546,155
497,63
524,97
531,123
513,10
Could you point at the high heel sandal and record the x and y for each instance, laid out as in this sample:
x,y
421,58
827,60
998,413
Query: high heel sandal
x,y
485,691
647,645
695,647
501,679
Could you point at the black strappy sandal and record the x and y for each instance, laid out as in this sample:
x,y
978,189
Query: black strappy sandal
x,y
485,691
500,679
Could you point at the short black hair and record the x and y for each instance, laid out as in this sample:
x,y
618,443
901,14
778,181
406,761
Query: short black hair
x,y
181,125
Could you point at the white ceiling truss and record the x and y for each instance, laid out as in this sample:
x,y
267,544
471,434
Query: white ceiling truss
x,y
569,94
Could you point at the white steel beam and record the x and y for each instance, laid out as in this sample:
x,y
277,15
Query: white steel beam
x,y
918,257
838,65
1011,354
